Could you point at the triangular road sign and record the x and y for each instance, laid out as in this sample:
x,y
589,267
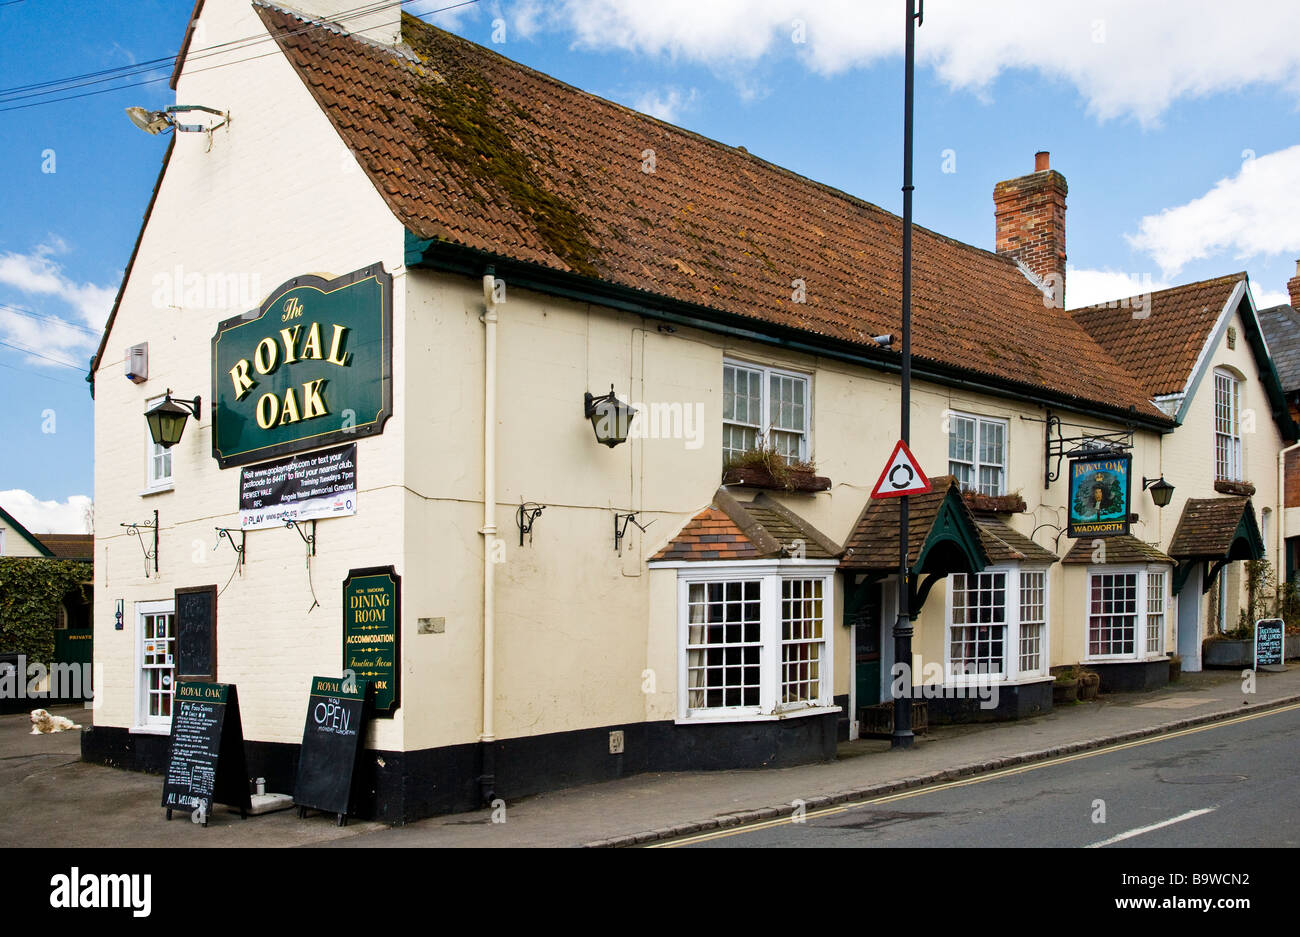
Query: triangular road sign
x,y
902,475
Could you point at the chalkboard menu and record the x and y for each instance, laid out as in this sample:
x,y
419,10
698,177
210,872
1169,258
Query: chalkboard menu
x,y
1268,642
196,634
372,632
331,745
205,758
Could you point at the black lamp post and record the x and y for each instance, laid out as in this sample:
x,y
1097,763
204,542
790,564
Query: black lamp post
x,y
167,419
610,417
1161,490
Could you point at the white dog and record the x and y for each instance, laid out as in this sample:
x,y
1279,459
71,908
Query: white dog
x,y
43,723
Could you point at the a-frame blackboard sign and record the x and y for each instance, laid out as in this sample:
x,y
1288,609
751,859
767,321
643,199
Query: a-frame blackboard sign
x,y
205,757
337,710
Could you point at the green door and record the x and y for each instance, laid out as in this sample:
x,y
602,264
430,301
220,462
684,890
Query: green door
x,y
75,646
863,612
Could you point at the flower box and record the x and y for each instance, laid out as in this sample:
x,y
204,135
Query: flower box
x,y
1241,489
760,476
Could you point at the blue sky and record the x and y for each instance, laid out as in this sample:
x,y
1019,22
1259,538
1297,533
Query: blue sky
x,y
1175,124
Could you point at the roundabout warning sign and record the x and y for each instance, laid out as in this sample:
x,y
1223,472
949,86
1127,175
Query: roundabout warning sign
x,y
902,475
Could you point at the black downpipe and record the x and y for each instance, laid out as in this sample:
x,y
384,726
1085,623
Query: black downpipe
x,y
487,781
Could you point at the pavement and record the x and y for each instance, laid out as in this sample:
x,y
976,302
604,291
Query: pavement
x,y
48,797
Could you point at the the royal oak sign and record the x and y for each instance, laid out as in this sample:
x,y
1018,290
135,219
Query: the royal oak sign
x,y
313,365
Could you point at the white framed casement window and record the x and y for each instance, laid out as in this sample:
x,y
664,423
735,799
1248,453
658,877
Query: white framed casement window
x,y
1127,612
997,625
977,452
158,461
765,406
1227,427
155,675
755,640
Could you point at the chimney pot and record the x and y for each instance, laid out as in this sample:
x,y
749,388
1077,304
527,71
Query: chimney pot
x,y
1042,161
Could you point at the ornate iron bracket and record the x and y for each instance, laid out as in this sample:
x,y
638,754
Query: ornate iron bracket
x,y
525,516
620,526
310,541
1058,448
240,551
134,529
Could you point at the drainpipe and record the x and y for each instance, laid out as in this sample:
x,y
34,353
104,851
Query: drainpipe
x,y
487,740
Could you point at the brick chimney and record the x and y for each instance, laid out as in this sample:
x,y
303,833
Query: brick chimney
x,y
1030,214
1293,287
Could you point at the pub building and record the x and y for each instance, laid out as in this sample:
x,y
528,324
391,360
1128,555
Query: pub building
x,y
388,277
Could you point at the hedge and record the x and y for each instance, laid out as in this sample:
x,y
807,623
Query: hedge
x,y
31,590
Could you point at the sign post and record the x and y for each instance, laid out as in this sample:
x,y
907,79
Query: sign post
x,y
902,735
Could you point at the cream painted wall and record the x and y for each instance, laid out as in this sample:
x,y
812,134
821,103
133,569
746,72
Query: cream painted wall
x,y
14,543
278,195
1189,453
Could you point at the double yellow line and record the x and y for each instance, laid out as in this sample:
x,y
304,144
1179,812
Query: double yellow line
x,y
965,782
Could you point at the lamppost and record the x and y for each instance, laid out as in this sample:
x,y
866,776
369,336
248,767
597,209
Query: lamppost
x,y
902,736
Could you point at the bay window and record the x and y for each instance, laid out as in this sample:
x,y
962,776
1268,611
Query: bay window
x,y
755,640
1127,612
997,625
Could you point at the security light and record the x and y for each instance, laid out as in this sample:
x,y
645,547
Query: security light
x,y
156,122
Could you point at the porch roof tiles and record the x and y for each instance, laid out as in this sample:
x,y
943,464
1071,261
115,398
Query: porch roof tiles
x,y
1119,550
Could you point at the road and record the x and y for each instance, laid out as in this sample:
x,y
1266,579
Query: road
x,y
1234,783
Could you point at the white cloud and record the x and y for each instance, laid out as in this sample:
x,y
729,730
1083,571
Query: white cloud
x,y
666,104
48,517
1267,299
1255,213
68,337
1125,58
1089,287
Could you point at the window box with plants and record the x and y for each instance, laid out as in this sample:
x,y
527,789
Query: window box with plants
x,y
767,468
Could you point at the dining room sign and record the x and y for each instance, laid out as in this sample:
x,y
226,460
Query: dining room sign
x,y
372,633
310,367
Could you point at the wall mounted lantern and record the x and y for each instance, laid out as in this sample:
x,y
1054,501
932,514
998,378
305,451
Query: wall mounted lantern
x,y
167,419
610,417
1161,490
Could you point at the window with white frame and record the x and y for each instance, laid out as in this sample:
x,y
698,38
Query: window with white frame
x,y
997,624
1127,612
755,640
1156,603
1033,620
1227,427
977,453
158,460
156,676
764,406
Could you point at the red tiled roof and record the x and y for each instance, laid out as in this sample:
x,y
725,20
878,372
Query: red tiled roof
x,y
471,148
1124,548
747,530
70,546
1208,525
1159,344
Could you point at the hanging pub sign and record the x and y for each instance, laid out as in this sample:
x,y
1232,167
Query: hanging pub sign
x,y
311,366
1099,496
372,633
300,488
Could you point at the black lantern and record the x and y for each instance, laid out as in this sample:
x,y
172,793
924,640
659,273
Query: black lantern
x,y
167,419
610,417
1161,490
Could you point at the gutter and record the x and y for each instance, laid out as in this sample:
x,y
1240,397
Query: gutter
x,y
446,257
